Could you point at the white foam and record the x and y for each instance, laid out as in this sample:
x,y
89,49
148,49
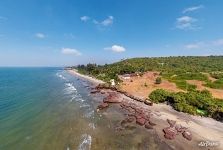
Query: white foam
x,y
60,76
85,142
91,125
85,106
70,88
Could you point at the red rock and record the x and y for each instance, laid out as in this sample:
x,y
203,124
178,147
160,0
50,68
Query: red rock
x,y
148,126
140,121
102,106
187,135
112,98
170,137
170,131
171,122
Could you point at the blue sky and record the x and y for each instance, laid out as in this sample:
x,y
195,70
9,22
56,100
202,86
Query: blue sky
x,y
70,32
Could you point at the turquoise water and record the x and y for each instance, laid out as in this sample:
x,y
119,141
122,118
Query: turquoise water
x,y
37,109
49,109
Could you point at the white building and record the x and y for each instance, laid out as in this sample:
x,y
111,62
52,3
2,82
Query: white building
x,y
112,81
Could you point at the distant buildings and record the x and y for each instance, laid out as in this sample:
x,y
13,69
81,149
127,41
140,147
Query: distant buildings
x,y
128,76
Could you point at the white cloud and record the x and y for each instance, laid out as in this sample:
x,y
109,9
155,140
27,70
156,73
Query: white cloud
x,y
193,8
40,35
218,42
85,18
116,48
107,22
194,45
214,44
186,23
70,51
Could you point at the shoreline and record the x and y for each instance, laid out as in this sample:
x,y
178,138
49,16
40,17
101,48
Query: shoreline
x,y
91,79
203,129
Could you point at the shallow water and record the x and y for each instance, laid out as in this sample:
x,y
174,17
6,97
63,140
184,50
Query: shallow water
x,y
47,108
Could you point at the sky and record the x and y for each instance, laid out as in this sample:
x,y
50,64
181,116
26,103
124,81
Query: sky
x,y
71,32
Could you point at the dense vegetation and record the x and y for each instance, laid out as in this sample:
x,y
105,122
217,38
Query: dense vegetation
x,y
193,102
175,69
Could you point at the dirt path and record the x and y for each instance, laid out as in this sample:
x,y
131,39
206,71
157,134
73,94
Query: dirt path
x,y
143,86
217,93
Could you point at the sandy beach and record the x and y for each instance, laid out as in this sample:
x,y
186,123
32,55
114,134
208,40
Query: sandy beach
x,y
93,80
207,133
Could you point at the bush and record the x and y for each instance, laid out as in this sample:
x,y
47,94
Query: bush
x,y
192,102
159,96
158,80
184,107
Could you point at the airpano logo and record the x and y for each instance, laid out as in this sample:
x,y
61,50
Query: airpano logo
x,y
208,143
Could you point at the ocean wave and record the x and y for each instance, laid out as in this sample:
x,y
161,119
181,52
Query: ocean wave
x,y
85,142
70,88
60,76
84,106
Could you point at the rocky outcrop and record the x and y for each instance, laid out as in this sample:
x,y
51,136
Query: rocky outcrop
x,y
112,98
141,121
106,86
174,129
170,133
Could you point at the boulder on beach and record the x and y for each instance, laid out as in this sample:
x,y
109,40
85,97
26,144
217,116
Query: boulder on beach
x,y
140,121
102,106
148,102
187,135
170,133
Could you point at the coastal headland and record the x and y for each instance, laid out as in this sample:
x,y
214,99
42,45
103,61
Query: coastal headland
x,y
176,129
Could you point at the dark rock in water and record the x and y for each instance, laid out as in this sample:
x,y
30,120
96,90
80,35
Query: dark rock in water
x,y
148,126
94,91
187,135
111,100
103,105
102,92
140,121
180,128
170,133
171,122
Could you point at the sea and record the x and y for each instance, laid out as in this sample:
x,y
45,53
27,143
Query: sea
x,y
50,109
